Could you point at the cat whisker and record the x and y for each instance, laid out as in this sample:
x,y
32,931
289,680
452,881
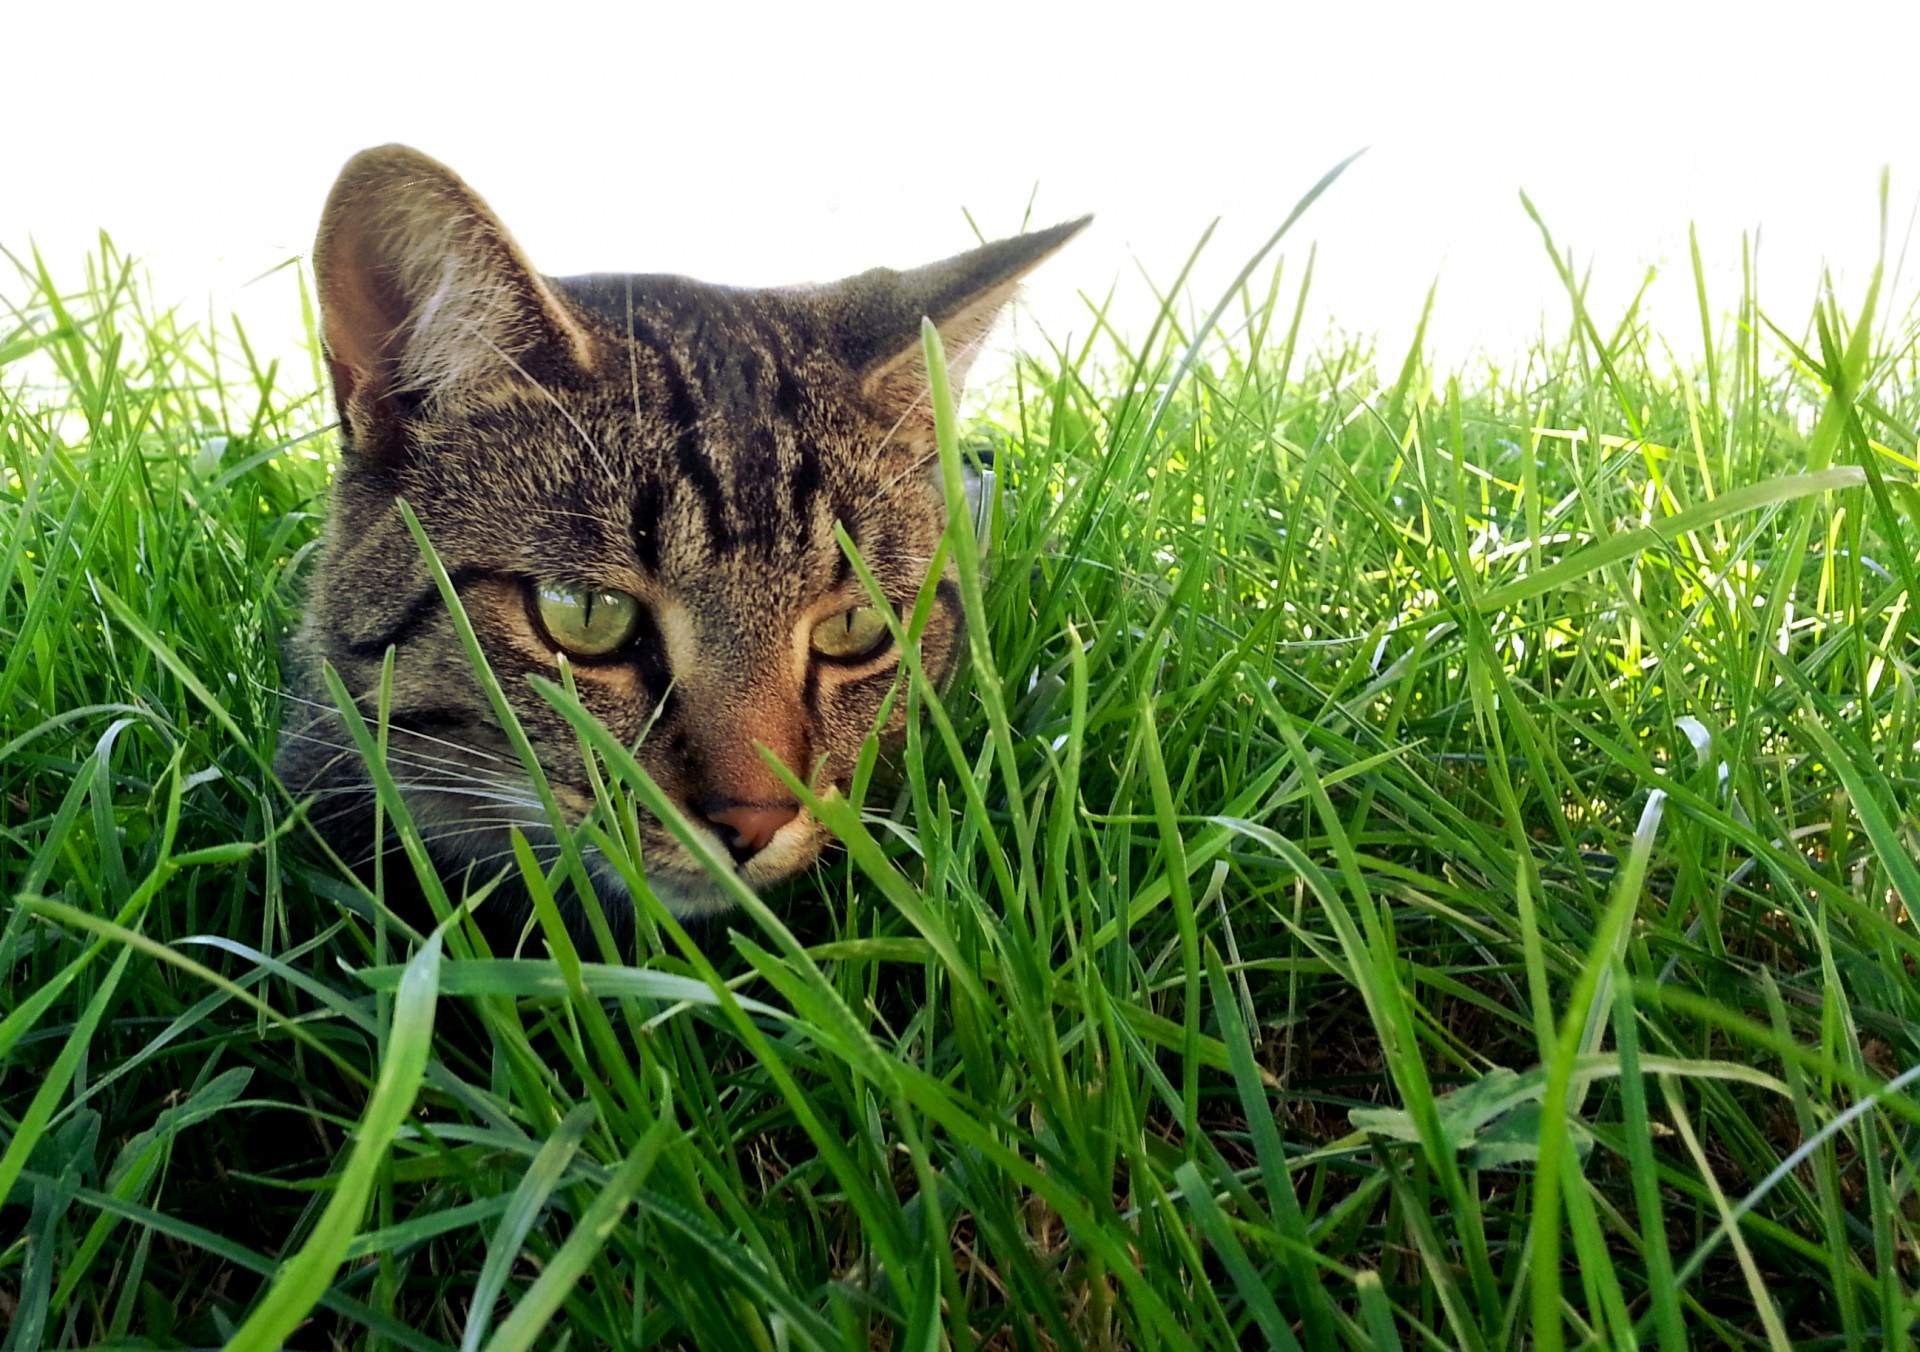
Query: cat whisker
x,y
474,824
427,757
325,820
348,809
567,512
473,866
430,780
394,727
531,820
498,826
320,772
483,795
434,764
563,410
480,862
633,364
363,789
966,350
500,795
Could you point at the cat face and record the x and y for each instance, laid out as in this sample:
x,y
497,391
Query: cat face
x,y
640,475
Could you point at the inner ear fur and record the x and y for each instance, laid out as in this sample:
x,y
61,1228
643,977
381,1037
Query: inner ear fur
x,y
425,297
876,315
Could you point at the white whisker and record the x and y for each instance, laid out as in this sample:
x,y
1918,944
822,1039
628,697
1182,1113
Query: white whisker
x,y
548,394
395,727
496,826
964,351
451,790
433,764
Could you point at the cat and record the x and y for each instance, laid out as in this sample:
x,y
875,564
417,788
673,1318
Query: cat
x,y
642,473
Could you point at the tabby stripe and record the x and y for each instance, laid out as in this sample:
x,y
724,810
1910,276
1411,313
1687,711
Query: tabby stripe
x,y
786,392
749,376
713,500
755,480
886,544
427,720
810,690
947,592
684,413
805,478
803,485
681,408
842,567
418,612
649,506
874,685
649,650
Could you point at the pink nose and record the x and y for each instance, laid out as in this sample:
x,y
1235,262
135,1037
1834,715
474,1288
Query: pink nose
x,y
753,824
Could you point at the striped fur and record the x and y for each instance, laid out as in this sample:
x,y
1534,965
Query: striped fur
x,y
692,445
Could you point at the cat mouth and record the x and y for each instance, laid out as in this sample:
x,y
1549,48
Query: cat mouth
x,y
689,891
788,850
792,847
686,896
675,874
687,887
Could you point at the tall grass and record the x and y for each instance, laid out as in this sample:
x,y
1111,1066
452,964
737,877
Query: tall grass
x,y
1417,858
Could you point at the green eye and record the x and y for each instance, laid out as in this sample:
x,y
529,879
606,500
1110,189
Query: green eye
x,y
851,636
585,623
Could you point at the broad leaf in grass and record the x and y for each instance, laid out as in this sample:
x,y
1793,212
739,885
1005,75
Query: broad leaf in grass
x,y
1493,1121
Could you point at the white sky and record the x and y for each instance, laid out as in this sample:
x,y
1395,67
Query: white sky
x,y
797,142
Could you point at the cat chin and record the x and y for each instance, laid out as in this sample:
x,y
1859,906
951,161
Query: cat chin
x,y
684,898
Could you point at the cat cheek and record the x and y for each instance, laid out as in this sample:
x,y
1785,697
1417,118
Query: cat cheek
x,y
849,710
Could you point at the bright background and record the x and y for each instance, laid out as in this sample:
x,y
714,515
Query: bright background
x,y
794,142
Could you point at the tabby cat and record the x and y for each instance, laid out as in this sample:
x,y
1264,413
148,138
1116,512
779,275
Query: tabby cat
x,y
640,474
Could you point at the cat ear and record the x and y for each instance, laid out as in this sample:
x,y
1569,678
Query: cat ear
x,y
425,298
876,316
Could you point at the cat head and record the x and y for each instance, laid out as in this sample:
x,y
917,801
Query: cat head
x,y
641,474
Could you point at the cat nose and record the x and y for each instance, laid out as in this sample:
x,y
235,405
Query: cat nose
x,y
749,827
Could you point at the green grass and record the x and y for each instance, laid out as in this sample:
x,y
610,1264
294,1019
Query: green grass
x,y
1417,858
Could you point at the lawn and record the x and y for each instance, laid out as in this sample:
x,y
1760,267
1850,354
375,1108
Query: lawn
x,y
1416,858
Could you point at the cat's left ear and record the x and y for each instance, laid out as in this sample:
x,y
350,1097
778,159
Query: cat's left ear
x,y
426,299
876,316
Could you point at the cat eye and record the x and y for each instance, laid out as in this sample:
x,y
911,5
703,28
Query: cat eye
x,y
852,636
585,622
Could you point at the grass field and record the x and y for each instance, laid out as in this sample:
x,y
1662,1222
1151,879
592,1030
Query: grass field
x,y
1418,859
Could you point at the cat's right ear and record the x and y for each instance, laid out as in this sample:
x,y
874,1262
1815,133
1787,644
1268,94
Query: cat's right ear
x,y
425,299
875,318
